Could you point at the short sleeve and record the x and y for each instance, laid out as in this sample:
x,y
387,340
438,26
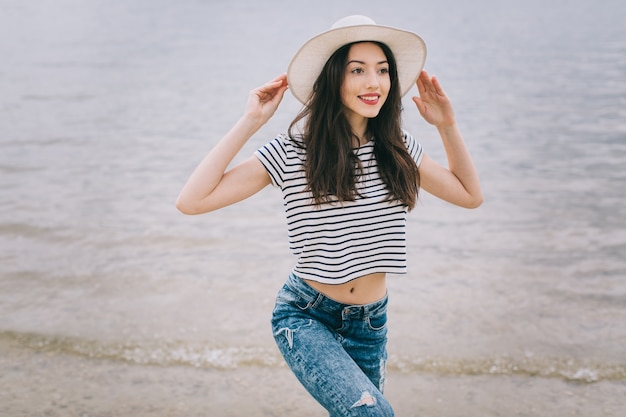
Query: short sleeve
x,y
414,148
273,156
283,158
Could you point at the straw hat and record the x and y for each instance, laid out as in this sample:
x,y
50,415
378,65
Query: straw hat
x,y
407,47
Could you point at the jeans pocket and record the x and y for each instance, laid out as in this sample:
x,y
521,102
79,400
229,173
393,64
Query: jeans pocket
x,y
377,322
288,296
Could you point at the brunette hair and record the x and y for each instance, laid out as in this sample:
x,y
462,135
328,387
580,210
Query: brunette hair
x,y
331,166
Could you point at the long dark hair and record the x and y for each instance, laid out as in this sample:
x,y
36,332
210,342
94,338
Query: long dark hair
x,y
331,167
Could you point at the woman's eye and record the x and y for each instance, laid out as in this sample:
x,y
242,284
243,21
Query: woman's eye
x,y
384,70
357,70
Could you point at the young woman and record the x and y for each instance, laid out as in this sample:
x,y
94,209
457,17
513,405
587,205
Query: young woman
x,y
349,174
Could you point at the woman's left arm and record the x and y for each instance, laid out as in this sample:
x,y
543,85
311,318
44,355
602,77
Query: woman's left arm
x,y
458,184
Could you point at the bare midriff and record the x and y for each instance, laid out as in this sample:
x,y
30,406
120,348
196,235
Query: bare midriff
x,y
362,290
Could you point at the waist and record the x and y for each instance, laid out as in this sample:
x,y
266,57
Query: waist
x,y
322,302
363,290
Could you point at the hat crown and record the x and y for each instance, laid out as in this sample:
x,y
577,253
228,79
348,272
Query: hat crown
x,y
354,20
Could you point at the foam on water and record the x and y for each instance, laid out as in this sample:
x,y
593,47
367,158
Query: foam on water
x,y
181,353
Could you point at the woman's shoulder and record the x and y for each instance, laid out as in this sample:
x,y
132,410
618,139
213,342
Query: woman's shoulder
x,y
290,140
285,145
413,146
290,143
407,137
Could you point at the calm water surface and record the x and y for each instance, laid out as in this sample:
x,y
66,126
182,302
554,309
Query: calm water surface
x,y
107,106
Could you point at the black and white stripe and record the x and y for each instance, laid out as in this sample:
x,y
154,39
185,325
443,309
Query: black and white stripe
x,y
338,242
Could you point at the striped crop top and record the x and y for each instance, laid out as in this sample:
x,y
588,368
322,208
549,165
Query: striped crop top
x,y
338,242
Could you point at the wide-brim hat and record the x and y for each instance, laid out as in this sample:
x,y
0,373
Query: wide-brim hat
x,y
408,49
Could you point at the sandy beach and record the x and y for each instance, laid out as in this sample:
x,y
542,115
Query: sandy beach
x,y
68,386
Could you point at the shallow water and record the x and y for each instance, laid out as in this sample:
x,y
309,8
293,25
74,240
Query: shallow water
x,y
107,107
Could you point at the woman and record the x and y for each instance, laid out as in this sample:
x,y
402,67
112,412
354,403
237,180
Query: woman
x,y
349,174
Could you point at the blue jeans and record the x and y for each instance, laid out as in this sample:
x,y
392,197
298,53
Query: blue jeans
x,y
337,351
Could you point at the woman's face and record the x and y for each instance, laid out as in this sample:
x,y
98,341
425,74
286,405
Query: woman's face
x,y
366,82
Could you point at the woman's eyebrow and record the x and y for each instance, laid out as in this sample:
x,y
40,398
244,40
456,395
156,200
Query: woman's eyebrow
x,y
356,61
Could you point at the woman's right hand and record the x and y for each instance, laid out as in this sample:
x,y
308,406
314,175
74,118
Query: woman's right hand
x,y
264,100
210,187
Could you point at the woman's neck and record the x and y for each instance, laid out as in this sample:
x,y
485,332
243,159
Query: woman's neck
x,y
360,140
361,135
358,124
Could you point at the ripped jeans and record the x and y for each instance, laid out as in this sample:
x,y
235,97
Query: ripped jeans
x,y
337,351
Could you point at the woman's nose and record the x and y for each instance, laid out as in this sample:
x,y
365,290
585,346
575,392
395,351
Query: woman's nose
x,y
372,79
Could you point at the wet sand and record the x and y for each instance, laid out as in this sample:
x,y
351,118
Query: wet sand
x,y
36,383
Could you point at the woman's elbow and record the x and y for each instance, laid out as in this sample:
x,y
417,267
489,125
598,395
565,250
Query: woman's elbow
x,y
186,207
474,202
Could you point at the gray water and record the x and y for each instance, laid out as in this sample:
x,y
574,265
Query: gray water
x,y
107,106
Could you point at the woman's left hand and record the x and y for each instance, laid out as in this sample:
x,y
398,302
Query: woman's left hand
x,y
433,103
264,100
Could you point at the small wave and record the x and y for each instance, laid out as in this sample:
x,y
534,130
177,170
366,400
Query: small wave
x,y
23,230
570,369
163,353
71,98
179,353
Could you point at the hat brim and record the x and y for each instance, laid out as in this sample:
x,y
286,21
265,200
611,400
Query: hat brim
x,y
408,49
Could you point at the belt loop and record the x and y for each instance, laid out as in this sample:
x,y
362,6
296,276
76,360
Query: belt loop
x,y
318,300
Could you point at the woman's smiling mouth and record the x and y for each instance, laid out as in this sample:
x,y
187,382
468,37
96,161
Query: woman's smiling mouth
x,y
370,99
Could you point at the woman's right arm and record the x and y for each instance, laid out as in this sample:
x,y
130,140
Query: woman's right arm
x,y
210,187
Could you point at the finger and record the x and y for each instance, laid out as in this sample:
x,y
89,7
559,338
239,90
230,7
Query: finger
x,y
421,107
420,82
437,87
278,81
271,85
282,79
428,80
273,91
271,88
281,93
